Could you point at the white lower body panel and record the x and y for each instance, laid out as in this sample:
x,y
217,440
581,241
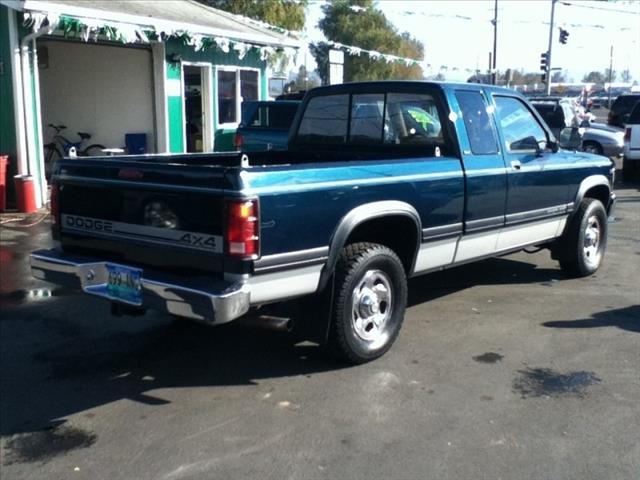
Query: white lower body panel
x,y
444,253
287,284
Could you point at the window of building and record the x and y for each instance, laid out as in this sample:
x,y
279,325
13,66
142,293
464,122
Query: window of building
x,y
235,86
477,122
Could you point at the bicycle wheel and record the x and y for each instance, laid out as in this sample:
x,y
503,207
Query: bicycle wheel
x,y
51,154
92,150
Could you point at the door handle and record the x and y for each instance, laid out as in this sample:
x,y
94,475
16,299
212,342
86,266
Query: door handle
x,y
515,164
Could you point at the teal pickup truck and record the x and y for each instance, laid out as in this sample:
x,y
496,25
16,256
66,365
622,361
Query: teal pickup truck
x,y
380,182
265,125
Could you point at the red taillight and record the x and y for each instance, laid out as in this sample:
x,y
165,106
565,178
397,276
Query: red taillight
x,y
54,202
238,141
242,235
627,134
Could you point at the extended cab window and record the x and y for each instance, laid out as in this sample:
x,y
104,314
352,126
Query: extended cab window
x,y
477,123
325,120
520,128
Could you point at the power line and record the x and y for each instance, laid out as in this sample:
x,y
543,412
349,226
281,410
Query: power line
x,y
613,10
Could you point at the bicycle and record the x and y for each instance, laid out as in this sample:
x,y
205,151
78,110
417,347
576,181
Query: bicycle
x,y
51,149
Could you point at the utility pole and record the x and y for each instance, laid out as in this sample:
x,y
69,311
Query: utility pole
x,y
610,76
494,73
548,72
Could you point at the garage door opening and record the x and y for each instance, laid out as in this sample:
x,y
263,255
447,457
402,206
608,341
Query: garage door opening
x,y
105,91
197,101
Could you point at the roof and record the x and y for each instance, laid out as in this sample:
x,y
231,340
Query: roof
x,y
406,85
176,15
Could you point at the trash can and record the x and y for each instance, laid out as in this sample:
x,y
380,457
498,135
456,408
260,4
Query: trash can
x,y
4,163
25,193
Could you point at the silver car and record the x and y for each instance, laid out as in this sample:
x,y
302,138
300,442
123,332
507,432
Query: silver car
x,y
597,138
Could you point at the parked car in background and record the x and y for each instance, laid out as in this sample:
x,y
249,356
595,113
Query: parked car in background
x,y
621,109
597,138
631,162
265,125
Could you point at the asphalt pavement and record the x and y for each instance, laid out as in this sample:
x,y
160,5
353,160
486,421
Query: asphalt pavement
x,y
504,369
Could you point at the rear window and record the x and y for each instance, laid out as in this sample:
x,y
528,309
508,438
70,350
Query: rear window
x,y
325,120
275,116
372,119
635,114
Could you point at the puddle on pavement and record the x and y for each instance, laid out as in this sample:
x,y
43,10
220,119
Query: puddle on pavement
x,y
489,357
544,382
43,445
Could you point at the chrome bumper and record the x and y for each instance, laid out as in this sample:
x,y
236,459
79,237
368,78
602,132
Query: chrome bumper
x,y
203,299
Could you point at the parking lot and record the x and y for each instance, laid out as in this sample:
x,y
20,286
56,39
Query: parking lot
x,y
503,369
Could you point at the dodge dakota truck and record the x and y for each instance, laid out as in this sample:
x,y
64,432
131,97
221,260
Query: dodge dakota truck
x,y
381,181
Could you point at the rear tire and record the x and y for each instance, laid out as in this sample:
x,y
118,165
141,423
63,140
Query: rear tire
x,y
369,302
584,242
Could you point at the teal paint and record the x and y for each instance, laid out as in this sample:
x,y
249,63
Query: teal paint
x,y
174,111
8,144
223,138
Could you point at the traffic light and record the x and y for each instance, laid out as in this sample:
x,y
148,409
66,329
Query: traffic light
x,y
564,35
544,61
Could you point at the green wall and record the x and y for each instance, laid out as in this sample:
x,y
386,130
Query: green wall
x,y
174,109
223,139
7,120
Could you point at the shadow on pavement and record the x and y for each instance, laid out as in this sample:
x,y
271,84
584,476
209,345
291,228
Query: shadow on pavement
x,y
495,271
627,318
62,354
66,365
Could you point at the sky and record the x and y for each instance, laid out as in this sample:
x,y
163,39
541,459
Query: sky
x,y
458,34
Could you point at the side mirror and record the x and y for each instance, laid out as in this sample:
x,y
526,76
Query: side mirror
x,y
571,138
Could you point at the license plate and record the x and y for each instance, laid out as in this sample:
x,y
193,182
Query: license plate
x,y
123,283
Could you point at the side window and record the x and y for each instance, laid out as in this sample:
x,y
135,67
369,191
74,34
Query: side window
x,y
412,119
477,122
520,128
366,119
325,120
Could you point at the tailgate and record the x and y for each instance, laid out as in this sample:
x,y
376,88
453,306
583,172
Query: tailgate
x,y
165,214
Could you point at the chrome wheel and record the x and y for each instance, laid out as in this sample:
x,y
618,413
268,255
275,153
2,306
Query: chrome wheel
x,y
592,240
372,305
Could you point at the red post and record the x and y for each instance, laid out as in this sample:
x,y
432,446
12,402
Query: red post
x,y
25,193
4,163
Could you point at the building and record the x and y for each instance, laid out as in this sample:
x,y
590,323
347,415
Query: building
x,y
173,70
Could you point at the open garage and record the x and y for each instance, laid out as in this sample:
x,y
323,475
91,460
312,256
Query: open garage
x,y
103,90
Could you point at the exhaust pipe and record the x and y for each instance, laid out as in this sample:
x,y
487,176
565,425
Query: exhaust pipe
x,y
269,322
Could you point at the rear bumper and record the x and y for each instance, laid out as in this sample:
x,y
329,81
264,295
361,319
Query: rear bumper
x,y
211,301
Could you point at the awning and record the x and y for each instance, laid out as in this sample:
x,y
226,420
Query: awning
x,y
135,19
